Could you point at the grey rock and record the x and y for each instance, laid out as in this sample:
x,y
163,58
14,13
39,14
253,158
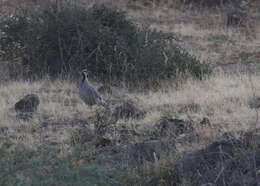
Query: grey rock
x,y
254,103
28,104
26,116
240,170
224,162
251,138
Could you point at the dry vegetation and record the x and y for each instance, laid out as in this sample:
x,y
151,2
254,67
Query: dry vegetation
x,y
224,97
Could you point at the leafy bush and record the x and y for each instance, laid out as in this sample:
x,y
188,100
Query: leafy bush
x,y
63,39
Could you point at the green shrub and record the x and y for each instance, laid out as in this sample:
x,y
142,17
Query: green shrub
x,y
63,39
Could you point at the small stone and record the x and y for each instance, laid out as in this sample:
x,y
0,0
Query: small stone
x,y
254,103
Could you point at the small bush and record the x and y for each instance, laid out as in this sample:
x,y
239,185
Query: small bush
x,y
63,39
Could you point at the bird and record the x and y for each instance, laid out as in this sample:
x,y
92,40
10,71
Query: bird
x,y
88,93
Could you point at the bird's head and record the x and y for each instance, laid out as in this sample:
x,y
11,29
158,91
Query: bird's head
x,y
84,73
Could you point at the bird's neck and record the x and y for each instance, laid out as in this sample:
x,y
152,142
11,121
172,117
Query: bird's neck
x,y
84,77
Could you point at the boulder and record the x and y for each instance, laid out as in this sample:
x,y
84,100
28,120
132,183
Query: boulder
x,y
27,106
254,103
29,103
26,116
224,162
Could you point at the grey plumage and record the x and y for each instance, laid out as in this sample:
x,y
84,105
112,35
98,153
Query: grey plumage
x,y
88,93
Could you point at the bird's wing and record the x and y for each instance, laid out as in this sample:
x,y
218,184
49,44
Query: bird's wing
x,y
95,94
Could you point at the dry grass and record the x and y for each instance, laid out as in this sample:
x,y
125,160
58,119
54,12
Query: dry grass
x,y
204,32
58,104
222,98
216,95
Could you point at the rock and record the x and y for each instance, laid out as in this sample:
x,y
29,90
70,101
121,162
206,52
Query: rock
x,y
105,89
252,138
27,107
236,17
172,127
207,158
224,162
28,104
254,103
138,153
240,170
126,111
26,116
